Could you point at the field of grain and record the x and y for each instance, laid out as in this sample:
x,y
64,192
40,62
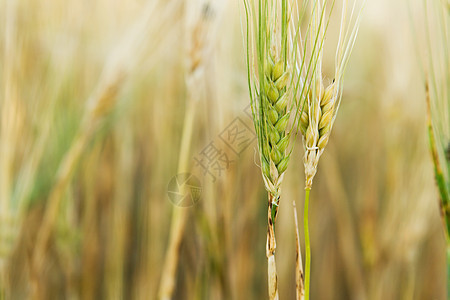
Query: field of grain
x,y
129,165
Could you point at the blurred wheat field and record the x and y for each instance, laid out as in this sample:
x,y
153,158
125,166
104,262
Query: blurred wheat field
x,y
93,104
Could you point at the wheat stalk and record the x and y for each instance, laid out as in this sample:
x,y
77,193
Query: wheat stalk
x,y
274,158
271,30
199,18
270,113
11,128
322,103
299,276
279,78
271,119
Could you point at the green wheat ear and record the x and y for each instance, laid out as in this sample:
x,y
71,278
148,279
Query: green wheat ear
x,y
274,159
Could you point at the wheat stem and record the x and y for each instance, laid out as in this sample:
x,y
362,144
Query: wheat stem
x,y
270,251
179,214
307,244
299,277
199,40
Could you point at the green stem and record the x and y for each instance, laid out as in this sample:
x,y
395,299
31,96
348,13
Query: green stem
x,y
307,244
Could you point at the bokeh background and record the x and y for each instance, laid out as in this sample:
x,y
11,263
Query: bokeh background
x,y
95,96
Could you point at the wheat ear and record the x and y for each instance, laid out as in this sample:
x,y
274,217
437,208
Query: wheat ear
x,y
316,127
317,119
322,103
